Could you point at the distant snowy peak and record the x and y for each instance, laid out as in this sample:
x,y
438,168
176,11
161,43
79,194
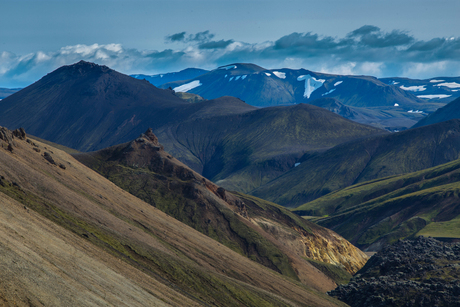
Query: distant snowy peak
x,y
279,74
311,84
188,86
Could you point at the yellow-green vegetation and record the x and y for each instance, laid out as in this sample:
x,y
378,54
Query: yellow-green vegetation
x,y
385,210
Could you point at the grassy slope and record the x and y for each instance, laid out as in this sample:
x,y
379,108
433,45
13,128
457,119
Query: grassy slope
x,y
171,254
242,151
364,160
382,211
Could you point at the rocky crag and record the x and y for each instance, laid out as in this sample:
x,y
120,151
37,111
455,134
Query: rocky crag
x,y
420,272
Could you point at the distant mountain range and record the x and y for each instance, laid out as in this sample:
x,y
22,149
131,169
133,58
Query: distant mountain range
x,y
160,79
5,92
450,111
372,101
439,89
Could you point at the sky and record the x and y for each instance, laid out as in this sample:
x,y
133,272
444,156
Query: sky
x,y
383,38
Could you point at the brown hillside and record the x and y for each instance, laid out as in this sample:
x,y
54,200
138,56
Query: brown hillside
x,y
72,238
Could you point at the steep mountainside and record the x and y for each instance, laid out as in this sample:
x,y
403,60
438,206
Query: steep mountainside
x,y
72,238
160,79
450,111
376,213
440,89
363,160
262,231
243,151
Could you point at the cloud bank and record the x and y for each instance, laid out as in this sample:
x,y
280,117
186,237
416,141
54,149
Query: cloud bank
x,y
367,50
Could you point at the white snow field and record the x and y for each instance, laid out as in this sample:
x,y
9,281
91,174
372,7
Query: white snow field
x,y
311,84
415,88
433,96
279,74
187,87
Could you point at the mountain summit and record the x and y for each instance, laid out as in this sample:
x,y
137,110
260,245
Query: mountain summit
x,y
66,105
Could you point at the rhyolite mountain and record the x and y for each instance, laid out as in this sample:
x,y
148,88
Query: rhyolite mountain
x,y
362,160
70,237
377,213
89,107
252,227
449,111
379,104
439,89
159,79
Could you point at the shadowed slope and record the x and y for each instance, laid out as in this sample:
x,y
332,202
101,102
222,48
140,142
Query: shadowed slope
x,y
448,112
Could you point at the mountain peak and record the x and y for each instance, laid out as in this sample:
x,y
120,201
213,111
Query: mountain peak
x,y
149,138
83,67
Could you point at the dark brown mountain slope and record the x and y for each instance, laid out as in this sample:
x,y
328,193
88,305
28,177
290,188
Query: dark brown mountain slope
x,y
70,237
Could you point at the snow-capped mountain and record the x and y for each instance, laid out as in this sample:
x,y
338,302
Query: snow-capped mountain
x,y
439,89
160,79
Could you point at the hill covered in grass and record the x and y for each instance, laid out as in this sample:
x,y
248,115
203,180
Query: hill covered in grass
x,y
376,213
363,160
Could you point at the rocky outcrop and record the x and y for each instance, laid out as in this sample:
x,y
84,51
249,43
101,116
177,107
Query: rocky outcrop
x,y
7,137
421,272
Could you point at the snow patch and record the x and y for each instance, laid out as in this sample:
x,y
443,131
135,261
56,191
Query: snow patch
x,y
237,77
338,82
244,77
225,76
268,74
297,164
328,92
311,84
449,84
187,87
396,105
230,79
280,75
433,96
416,111
436,81
394,82
228,67
161,76
414,88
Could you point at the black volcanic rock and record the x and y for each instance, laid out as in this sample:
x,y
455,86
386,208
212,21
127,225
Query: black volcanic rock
x,y
421,272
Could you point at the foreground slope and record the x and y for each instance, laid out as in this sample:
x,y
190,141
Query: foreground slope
x,y
363,160
377,213
123,250
262,231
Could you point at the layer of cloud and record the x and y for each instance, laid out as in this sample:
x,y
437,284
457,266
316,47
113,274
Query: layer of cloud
x,y
367,50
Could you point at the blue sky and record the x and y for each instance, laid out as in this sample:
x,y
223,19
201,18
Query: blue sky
x,y
411,38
